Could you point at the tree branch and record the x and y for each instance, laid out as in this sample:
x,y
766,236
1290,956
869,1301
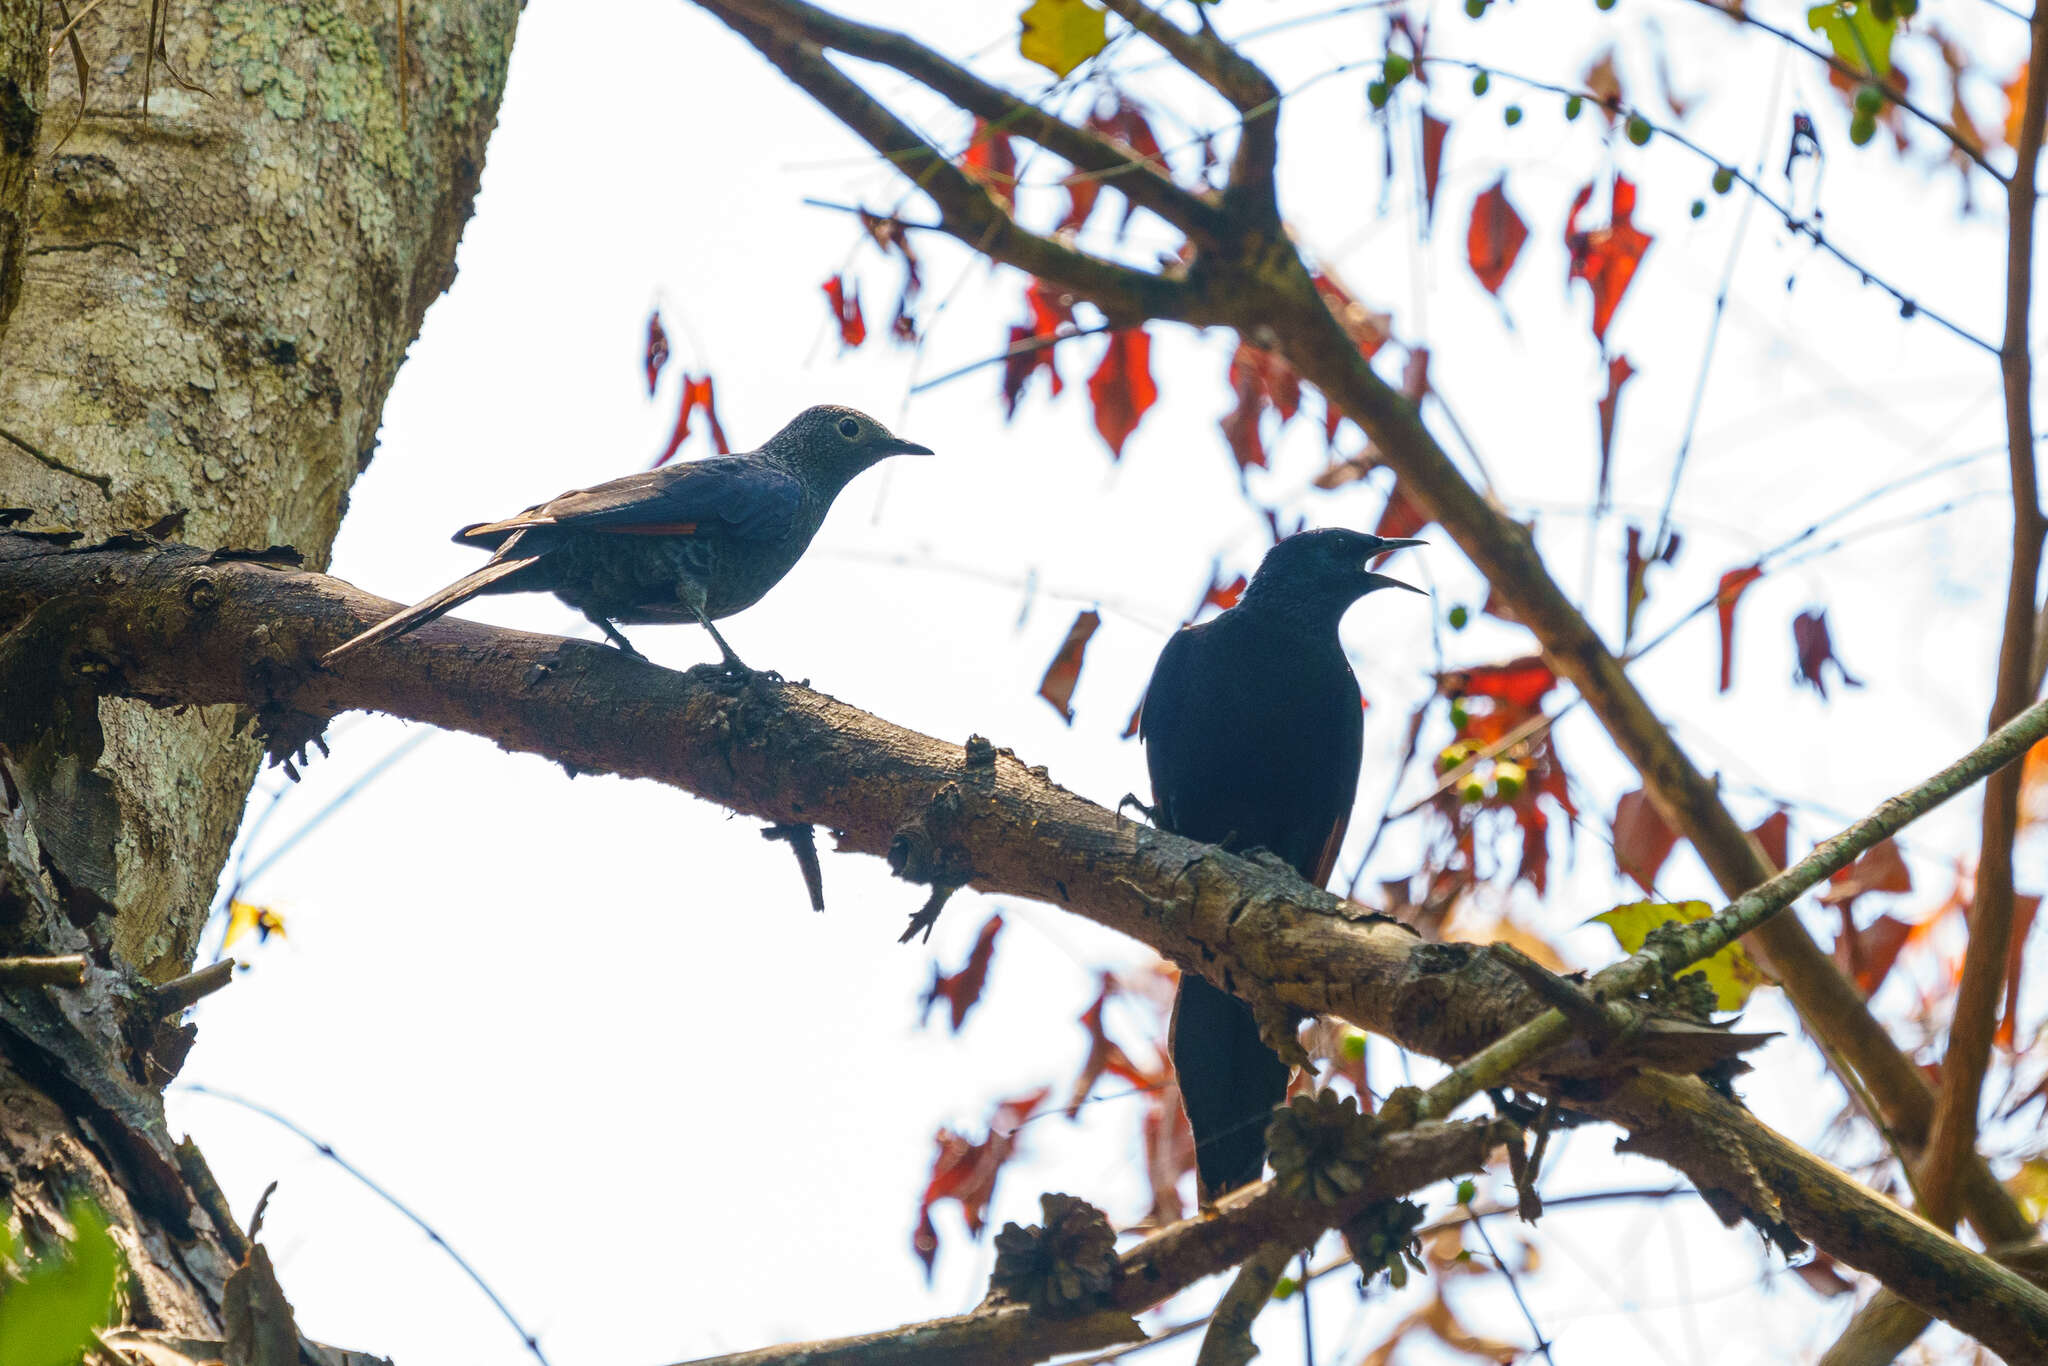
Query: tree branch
x,y
1968,1055
966,210
172,624
999,1332
1145,183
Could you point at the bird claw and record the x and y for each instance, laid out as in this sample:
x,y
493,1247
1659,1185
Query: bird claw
x,y
1151,813
1265,858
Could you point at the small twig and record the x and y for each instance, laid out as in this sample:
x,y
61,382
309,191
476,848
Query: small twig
x,y
927,915
326,1150
1229,1340
65,971
803,842
100,481
1023,347
181,993
1542,1343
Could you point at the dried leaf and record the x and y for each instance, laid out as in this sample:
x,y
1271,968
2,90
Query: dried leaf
x,y
1169,1151
1494,239
991,162
1082,191
2015,105
696,394
1878,869
1619,372
1104,1055
1635,564
1866,955
1642,841
1259,379
1061,34
1401,517
1821,1277
1434,131
1057,687
1122,388
1774,834
1731,972
1368,330
1606,258
1125,122
657,350
1816,649
1603,83
2025,909
960,990
1725,597
853,330
966,1172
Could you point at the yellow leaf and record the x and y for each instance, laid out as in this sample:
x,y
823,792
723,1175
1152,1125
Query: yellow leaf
x,y
1730,972
243,917
2029,1185
1061,34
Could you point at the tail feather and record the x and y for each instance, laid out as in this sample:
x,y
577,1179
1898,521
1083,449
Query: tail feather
x,y
1229,1081
449,598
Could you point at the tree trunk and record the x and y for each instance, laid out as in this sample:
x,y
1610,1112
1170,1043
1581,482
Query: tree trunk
x,y
211,264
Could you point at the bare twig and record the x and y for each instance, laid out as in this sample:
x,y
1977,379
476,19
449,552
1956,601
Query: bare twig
x,y
65,971
181,993
1229,1339
803,842
103,483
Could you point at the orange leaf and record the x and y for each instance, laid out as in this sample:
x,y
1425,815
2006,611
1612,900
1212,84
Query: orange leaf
x,y
657,350
696,394
1603,83
991,162
1642,841
966,1172
1104,1056
1867,954
1082,191
853,330
1877,869
1732,585
1606,258
1434,131
1122,387
1774,835
1619,372
2015,105
960,990
1519,684
1495,237
2024,911
1057,687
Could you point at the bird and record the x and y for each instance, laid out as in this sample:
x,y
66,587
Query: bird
x,y
695,541
1253,735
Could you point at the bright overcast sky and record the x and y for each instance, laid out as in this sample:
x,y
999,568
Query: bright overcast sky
x,y
590,1029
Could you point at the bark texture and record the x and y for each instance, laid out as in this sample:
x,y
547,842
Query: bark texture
x,y
213,302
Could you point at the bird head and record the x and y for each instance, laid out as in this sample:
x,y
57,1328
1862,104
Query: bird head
x,y
1327,569
838,440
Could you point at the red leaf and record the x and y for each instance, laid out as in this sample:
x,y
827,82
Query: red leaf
x,y
966,1172
1258,379
846,312
1220,595
1732,584
1368,330
960,990
1867,955
1774,835
1816,649
1618,373
1495,236
1606,258
991,162
1169,1151
1642,841
1126,123
1434,131
1051,315
1082,191
1821,1277
889,235
1401,517
1104,1056
1122,387
1535,865
2024,911
1057,687
1520,684
696,394
657,350
1137,714
1877,869
1636,564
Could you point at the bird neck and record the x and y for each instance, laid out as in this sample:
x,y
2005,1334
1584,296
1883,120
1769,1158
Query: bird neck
x,y
1288,607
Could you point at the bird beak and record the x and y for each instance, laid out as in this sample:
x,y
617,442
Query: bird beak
x,y
1389,581
1387,548
896,445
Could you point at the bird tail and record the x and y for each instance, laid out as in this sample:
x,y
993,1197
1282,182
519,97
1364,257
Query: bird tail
x,y
1229,1081
449,598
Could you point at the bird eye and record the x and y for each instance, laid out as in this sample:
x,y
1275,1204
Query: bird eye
x,y
848,428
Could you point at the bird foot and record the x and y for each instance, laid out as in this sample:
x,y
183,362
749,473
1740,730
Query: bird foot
x,y
1265,858
1151,813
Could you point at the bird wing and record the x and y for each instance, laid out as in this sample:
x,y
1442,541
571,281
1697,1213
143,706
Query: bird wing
x,y
727,495
1160,720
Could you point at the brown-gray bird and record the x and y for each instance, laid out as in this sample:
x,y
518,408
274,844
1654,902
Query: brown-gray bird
x,y
694,541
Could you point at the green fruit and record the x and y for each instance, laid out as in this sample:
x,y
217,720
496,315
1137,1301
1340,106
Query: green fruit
x,y
1353,1047
1572,105
1724,179
1638,129
1376,94
1473,790
1459,615
1603,4
1453,756
1699,208
1480,81
1512,114
1509,778
1869,100
1467,1191
1862,128
1396,68
1475,8
1906,8
1883,10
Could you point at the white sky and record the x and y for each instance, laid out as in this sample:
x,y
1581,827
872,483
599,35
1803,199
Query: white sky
x,y
590,1029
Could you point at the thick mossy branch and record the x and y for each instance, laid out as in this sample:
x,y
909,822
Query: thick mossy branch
x,y
175,625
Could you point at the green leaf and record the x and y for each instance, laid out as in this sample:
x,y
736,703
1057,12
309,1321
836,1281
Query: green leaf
x,y
1285,1287
1856,34
47,1317
1061,34
1467,1189
1731,972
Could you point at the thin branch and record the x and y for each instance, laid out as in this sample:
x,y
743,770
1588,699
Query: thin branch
x,y
1980,987
1145,183
1229,1339
65,971
104,483
966,210
1741,15
180,994
326,1150
1023,347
